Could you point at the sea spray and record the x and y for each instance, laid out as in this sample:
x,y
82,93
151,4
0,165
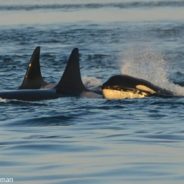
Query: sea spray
x,y
2,100
91,82
143,62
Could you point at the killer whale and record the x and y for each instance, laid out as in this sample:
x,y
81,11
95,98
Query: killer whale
x,y
70,84
124,86
33,77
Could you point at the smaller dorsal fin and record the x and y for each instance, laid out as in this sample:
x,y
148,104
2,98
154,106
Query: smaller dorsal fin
x,y
71,82
33,78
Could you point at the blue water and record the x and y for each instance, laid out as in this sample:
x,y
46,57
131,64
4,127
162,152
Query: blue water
x,y
80,140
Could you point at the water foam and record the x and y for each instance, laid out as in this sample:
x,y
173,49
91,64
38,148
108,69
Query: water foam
x,y
143,62
91,82
2,100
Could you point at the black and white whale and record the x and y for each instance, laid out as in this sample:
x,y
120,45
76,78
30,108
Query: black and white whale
x,y
33,77
70,84
124,86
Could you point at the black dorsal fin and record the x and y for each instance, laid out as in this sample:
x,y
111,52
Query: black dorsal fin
x,y
33,77
71,82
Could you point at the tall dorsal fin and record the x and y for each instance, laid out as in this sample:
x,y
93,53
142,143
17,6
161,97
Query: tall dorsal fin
x,y
33,77
71,82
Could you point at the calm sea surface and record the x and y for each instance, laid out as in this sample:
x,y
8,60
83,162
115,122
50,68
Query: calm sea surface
x,y
95,141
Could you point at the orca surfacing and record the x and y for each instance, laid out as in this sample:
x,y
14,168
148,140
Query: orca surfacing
x,y
34,88
33,78
124,86
70,84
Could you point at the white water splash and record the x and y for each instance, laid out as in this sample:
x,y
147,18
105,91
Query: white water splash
x,y
145,63
3,100
91,82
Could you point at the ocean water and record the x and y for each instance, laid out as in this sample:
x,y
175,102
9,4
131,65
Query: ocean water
x,y
80,140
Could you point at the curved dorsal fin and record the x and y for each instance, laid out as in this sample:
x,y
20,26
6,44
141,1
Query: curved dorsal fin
x,y
71,82
33,77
